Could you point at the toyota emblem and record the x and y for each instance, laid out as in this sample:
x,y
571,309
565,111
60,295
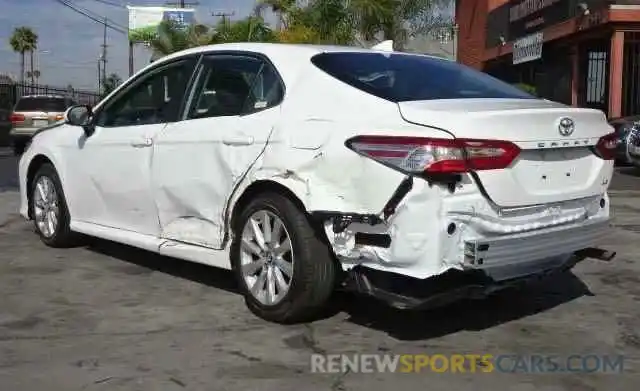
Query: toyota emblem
x,y
566,126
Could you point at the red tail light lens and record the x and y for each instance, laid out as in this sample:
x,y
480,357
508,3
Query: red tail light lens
x,y
606,146
15,118
415,155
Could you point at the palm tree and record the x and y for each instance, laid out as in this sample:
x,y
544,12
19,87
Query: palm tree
x,y
23,40
412,17
348,21
172,38
250,29
282,8
35,74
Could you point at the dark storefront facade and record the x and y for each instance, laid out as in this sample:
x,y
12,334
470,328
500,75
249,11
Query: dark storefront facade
x,y
579,52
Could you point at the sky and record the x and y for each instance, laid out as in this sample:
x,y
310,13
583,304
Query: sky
x,y
69,43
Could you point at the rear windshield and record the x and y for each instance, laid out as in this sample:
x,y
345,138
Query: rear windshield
x,y
403,77
42,104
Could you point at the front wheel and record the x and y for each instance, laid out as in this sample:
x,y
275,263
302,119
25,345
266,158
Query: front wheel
x,y
285,271
49,208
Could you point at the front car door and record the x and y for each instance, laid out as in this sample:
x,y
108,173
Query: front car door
x,y
198,162
113,165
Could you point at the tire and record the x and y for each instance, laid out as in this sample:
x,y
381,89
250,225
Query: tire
x,y
61,235
314,272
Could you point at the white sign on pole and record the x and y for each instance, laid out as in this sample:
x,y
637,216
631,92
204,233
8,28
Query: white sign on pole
x,y
528,48
144,21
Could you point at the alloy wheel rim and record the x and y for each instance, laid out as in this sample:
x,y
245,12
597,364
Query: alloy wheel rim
x,y
266,257
45,206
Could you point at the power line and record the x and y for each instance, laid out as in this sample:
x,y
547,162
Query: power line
x,y
95,15
111,3
108,25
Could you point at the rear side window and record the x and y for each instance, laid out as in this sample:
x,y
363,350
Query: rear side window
x,y
42,104
404,77
235,85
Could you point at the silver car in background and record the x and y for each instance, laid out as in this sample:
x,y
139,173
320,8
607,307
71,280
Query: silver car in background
x,y
33,112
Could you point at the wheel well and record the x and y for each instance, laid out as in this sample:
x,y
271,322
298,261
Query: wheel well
x,y
34,166
259,187
265,186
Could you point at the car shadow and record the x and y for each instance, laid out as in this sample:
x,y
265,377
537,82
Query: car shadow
x,y
629,171
196,272
466,315
8,170
469,315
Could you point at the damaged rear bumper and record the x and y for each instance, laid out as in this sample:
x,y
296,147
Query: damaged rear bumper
x,y
404,292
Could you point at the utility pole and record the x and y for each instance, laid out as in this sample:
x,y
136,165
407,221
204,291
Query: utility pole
x,y
223,15
99,77
182,3
104,52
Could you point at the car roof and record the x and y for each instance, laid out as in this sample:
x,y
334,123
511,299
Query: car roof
x,y
276,49
288,58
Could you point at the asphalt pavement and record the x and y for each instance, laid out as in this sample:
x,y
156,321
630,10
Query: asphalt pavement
x,y
108,317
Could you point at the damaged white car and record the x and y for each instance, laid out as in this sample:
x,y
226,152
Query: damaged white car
x,y
308,168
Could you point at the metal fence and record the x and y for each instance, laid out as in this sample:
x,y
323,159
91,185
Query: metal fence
x,y
631,74
10,93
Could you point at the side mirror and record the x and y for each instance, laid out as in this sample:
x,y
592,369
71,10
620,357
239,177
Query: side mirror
x,y
80,115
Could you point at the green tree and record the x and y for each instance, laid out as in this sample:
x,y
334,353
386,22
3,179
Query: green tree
x,y
110,83
23,40
354,21
172,38
282,8
250,29
342,22
412,17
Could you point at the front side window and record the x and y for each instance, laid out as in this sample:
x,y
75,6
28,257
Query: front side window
x,y
155,99
234,85
403,77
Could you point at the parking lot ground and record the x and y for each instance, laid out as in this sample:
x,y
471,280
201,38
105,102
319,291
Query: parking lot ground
x,y
109,317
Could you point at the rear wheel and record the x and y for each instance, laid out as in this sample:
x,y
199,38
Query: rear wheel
x,y
49,208
284,270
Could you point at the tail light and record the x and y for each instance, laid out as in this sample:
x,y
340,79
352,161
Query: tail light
x,y
607,146
15,118
414,155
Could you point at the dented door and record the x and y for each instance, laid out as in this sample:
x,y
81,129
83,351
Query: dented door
x,y
198,162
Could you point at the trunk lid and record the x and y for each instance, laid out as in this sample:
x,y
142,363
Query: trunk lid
x,y
551,167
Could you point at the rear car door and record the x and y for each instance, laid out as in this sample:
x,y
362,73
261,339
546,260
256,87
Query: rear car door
x,y
199,162
111,185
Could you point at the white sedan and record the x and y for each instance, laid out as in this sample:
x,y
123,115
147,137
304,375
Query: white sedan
x,y
306,168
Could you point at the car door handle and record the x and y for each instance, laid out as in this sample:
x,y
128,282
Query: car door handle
x,y
238,140
147,142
